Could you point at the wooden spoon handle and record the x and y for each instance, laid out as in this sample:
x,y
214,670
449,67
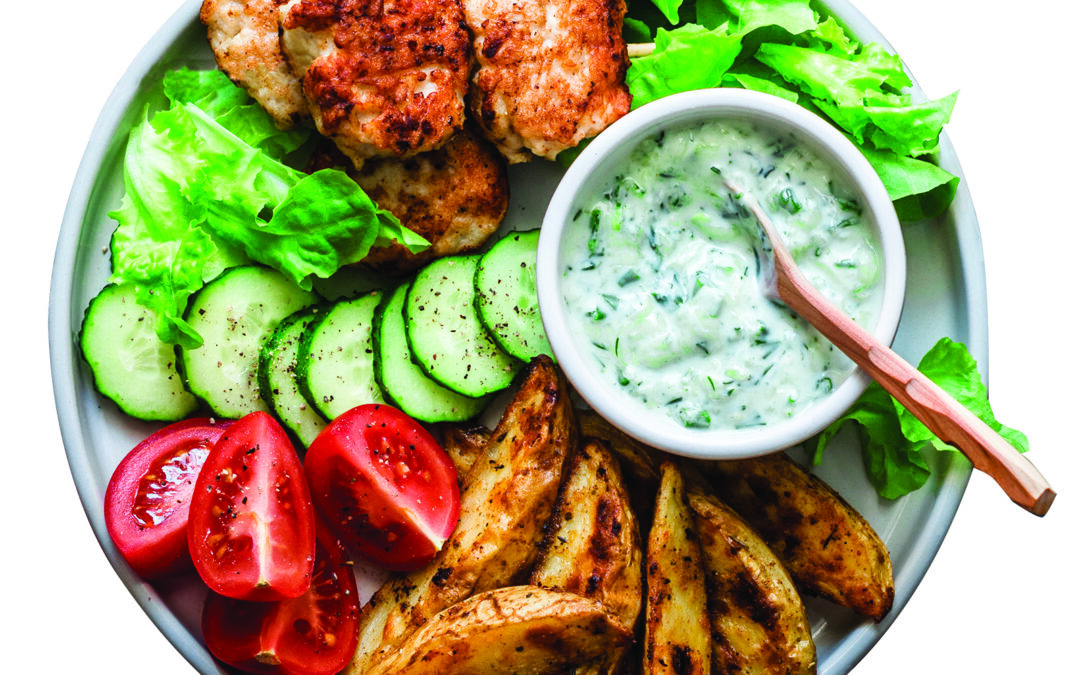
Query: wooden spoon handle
x,y
942,414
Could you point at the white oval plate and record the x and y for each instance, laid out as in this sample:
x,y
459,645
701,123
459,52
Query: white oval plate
x,y
946,296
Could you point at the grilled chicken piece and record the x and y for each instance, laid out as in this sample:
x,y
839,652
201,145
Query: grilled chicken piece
x,y
551,73
455,197
383,77
243,35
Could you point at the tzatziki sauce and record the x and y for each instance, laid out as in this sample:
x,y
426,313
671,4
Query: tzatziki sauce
x,y
662,265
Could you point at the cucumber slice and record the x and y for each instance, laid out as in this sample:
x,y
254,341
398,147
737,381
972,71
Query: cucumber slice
x,y
506,297
336,368
130,364
277,377
235,314
445,335
403,382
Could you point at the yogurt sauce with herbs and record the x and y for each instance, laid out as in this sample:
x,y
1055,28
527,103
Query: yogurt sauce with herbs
x,y
662,281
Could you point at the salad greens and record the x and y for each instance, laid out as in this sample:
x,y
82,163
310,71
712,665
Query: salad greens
x,y
894,441
206,188
784,48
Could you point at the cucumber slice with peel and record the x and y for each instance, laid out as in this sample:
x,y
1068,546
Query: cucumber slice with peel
x,y
444,332
277,377
131,365
235,314
506,299
403,382
336,366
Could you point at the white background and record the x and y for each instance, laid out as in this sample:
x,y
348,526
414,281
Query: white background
x,y
1001,595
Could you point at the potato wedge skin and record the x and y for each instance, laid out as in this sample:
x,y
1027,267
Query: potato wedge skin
x,y
758,620
827,546
677,631
640,463
592,546
516,629
464,443
508,497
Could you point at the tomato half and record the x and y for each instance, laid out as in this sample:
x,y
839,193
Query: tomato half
x,y
147,500
314,634
252,528
382,484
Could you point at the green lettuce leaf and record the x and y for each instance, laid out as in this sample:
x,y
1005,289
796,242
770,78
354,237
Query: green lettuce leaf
x,y
787,50
830,36
232,108
686,58
322,224
670,9
748,81
823,76
910,129
876,58
794,16
918,189
159,246
894,465
634,31
893,441
200,197
712,13
951,366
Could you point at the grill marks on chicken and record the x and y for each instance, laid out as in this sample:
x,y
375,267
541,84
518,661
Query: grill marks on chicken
x,y
382,77
243,35
550,75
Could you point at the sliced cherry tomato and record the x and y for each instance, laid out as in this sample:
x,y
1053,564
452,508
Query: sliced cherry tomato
x,y
382,484
252,528
314,634
147,500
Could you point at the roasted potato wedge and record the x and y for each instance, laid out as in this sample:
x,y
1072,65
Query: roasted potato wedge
x,y
464,444
508,497
640,463
677,631
593,545
759,624
519,629
827,546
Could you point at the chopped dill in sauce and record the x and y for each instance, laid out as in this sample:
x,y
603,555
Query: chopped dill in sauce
x,y
663,279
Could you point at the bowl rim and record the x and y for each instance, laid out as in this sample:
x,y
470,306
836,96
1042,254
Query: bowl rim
x,y
615,143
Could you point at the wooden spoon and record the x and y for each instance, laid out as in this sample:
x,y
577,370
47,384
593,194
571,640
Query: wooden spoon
x,y
942,414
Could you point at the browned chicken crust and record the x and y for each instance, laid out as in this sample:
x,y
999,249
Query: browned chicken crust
x,y
455,197
243,35
551,73
383,77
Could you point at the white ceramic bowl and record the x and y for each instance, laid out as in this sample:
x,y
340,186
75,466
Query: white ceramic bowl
x,y
602,159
